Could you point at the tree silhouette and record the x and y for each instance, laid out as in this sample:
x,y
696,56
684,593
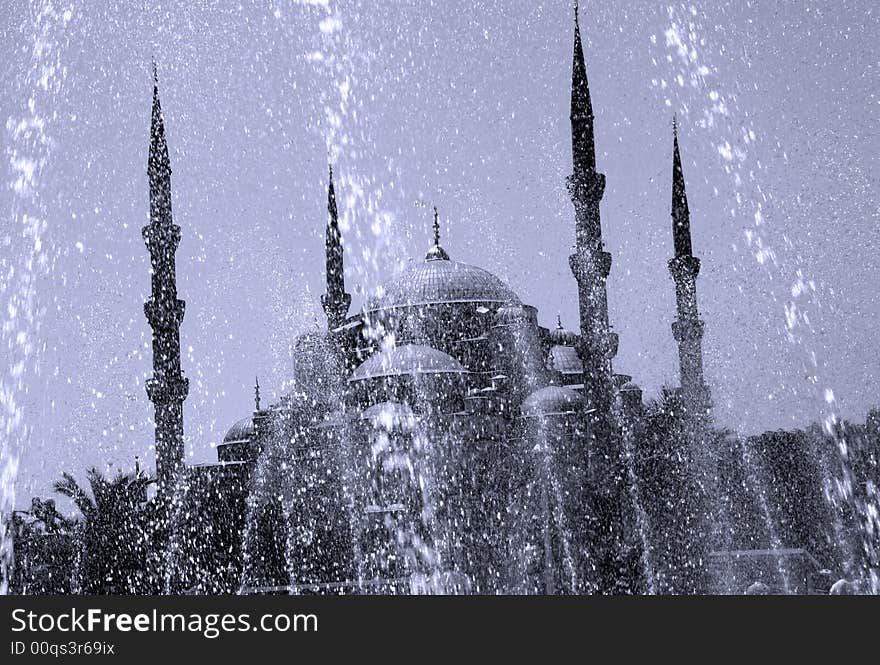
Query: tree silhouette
x,y
114,536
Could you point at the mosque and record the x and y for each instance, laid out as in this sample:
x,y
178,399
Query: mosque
x,y
438,439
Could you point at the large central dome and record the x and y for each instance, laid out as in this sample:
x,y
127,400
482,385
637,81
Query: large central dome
x,y
440,280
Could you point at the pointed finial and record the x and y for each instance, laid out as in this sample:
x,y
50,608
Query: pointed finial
x,y
257,392
675,124
155,73
333,221
436,252
681,225
582,134
559,322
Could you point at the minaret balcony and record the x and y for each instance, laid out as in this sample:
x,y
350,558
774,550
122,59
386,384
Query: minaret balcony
x,y
684,267
167,389
336,303
161,237
590,266
586,186
165,313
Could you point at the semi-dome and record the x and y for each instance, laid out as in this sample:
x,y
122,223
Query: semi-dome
x,y
440,280
334,419
390,416
565,360
407,359
243,430
551,401
511,313
561,336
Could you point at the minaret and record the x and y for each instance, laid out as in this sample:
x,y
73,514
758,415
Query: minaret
x,y
589,263
606,513
168,388
684,267
336,301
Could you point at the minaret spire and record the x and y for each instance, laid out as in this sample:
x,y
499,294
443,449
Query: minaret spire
x,y
681,231
257,393
684,267
335,301
582,142
167,388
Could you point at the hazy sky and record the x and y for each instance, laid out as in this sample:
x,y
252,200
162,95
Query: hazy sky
x,y
461,104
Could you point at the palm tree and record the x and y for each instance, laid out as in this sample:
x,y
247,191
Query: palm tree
x,y
114,536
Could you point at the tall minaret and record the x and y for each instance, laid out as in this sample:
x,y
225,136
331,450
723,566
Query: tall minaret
x,y
168,388
684,267
606,513
589,263
336,301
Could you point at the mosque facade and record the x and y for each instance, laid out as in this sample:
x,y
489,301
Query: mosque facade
x,y
440,439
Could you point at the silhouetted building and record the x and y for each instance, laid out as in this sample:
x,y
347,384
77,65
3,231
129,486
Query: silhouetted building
x,y
441,439
168,388
684,267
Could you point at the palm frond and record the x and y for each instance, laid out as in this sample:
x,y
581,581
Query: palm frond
x,y
69,487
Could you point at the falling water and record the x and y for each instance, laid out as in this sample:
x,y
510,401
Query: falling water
x,y
759,490
686,44
426,542
29,137
551,487
641,518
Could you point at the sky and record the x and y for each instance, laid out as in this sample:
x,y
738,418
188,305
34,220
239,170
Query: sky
x,y
462,105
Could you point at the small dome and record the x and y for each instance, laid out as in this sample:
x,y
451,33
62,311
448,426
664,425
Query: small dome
x,y
511,313
551,401
243,430
630,387
333,419
843,587
560,336
390,416
620,380
407,359
565,360
758,589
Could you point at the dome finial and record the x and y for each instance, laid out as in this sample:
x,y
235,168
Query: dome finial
x,y
436,252
257,392
559,322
